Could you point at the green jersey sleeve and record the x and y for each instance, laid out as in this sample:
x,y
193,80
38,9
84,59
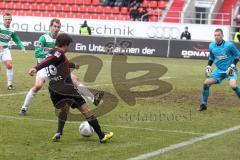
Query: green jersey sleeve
x,y
39,49
17,40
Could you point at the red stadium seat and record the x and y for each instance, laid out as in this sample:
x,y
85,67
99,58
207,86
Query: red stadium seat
x,y
63,2
94,16
99,9
21,13
71,15
82,9
162,4
124,10
119,17
9,5
115,10
87,2
42,7
86,16
45,1
144,4
24,1
150,11
54,1
37,13
13,12
111,17
45,14
76,8
78,15
29,13
79,2
154,19
71,2
153,4
34,6
59,8
50,7
91,9
53,14
95,2
62,14
26,6
66,8
2,5
107,9
18,6
103,16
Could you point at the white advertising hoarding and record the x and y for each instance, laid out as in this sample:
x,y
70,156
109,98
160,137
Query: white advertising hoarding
x,y
120,28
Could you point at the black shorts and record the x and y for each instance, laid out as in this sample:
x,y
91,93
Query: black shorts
x,y
74,101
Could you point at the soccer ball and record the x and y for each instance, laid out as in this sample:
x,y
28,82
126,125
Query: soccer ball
x,y
85,129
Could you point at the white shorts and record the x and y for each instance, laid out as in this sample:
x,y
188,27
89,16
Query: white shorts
x,y
42,74
5,55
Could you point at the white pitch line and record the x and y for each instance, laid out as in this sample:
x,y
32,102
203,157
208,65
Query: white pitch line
x,y
16,94
95,85
114,126
184,143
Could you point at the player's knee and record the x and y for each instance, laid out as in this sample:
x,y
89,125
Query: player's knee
x,y
206,83
9,66
233,86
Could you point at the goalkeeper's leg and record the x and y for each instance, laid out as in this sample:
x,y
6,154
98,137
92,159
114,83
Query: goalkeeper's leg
x,y
205,92
234,86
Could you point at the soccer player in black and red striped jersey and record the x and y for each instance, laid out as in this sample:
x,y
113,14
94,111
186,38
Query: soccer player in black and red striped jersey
x,y
61,88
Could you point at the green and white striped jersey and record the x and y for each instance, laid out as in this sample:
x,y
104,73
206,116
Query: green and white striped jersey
x,y
45,43
6,34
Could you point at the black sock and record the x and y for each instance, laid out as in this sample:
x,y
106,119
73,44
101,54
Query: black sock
x,y
62,117
94,123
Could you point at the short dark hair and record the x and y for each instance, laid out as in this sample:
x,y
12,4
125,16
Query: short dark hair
x,y
7,14
63,39
219,30
55,20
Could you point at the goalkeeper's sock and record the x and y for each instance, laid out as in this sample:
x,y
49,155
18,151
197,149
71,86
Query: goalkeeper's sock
x,y
94,123
28,99
85,92
62,117
9,76
205,94
237,91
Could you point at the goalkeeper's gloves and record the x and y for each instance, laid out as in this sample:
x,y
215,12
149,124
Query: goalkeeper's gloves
x,y
208,71
230,70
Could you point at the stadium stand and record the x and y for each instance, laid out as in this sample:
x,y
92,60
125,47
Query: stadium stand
x,y
225,11
175,11
87,9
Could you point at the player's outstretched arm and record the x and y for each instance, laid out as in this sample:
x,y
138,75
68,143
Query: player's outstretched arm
x,y
17,40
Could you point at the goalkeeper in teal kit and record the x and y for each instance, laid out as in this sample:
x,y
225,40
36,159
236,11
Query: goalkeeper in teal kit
x,y
225,56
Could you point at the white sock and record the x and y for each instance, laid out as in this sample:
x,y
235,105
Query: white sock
x,y
9,76
28,99
84,91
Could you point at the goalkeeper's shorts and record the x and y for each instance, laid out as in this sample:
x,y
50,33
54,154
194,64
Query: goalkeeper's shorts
x,y
220,75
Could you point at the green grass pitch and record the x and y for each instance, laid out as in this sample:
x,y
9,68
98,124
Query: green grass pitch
x,y
29,138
